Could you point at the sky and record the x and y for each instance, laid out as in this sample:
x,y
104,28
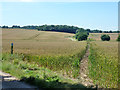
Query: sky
x,y
88,15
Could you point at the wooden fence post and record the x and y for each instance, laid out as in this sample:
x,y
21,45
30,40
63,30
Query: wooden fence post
x,y
11,48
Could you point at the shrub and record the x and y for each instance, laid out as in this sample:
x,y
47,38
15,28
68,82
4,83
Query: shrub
x,y
82,36
118,39
105,37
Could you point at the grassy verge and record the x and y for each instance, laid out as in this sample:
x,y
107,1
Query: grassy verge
x,y
103,64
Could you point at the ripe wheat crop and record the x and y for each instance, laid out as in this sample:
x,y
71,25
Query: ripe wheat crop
x,y
52,50
97,36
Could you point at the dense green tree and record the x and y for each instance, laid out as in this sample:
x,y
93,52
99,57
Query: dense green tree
x,y
80,30
88,30
82,36
105,37
116,31
58,28
118,39
4,26
96,31
110,31
15,26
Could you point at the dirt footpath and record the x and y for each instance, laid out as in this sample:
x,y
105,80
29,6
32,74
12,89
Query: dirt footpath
x,y
85,80
9,82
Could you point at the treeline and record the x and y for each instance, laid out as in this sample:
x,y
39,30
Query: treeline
x,y
59,28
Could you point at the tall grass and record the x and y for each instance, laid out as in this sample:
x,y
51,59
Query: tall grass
x,y
32,72
68,65
103,64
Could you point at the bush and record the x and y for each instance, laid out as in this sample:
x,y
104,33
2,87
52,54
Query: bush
x,y
82,36
118,39
105,37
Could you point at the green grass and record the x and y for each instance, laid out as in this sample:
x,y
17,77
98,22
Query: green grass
x,y
103,64
31,72
66,64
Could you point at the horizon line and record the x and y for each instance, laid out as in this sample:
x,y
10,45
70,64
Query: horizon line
x,y
56,24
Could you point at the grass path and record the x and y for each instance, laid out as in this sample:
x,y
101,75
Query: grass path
x,y
10,82
85,80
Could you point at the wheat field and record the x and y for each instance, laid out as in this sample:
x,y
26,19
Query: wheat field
x,y
97,36
53,50
40,42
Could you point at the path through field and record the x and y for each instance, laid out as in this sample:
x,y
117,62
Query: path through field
x,y
10,82
85,80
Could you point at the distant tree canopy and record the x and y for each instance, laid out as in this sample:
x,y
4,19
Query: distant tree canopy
x,y
15,26
59,28
30,27
5,27
95,31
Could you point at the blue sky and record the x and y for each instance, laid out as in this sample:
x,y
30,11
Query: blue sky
x,y
92,15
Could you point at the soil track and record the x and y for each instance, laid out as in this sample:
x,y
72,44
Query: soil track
x,y
34,36
85,80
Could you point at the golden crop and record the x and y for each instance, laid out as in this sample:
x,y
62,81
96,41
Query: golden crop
x,y
53,50
97,36
40,42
